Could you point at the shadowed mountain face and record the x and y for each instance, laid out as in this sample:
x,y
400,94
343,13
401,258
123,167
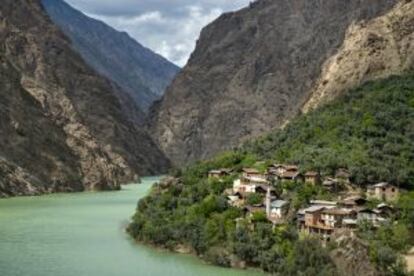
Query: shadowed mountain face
x,y
255,69
63,127
140,72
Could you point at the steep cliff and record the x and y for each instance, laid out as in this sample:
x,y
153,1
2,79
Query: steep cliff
x,y
63,127
255,69
140,72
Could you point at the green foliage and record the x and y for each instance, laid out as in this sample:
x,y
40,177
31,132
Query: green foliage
x,y
259,216
370,131
254,199
406,206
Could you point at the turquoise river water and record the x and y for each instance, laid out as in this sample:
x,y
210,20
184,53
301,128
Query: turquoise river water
x,y
83,235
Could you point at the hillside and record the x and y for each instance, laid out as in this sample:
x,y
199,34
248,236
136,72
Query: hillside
x,y
143,74
368,131
256,69
63,127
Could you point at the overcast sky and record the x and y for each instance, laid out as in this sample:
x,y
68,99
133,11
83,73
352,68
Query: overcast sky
x,y
169,27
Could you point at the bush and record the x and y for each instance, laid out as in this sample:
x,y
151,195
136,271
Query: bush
x,y
254,199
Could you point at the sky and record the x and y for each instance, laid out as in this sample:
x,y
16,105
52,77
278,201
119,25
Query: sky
x,y
168,27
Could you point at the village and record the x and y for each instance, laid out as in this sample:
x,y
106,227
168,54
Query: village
x,y
257,192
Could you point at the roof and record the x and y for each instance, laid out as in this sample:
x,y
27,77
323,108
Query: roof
x,y
254,180
233,197
349,221
313,209
382,185
366,210
216,171
291,167
323,202
338,212
266,187
353,200
290,174
250,170
311,173
278,203
329,183
342,173
383,205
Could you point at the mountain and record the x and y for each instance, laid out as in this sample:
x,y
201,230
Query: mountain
x,y
368,131
141,73
256,69
63,127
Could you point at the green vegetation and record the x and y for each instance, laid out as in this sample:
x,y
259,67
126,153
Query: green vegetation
x,y
370,131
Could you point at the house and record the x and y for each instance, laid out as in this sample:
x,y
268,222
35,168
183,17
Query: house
x,y
384,210
277,169
275,209
353,201
243,187
263,189
331,184
334,217
278,210
236,200
368,215
326,220
280,170
343,175
383,191
312,177
219,173
253,176
313,222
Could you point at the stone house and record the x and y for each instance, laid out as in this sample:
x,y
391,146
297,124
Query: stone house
x,y
219,173
253,176
312,177
343,174
277,210
324,220
383,191
278,170
353,201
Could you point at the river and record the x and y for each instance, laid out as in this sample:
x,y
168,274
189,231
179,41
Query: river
x,y
83,235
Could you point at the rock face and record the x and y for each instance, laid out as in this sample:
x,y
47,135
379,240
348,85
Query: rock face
x,y
140,72
63,127
256,69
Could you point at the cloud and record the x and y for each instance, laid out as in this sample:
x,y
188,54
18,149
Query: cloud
x,y
169,27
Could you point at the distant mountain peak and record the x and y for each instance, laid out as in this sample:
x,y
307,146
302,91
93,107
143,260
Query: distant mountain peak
x,y
137,70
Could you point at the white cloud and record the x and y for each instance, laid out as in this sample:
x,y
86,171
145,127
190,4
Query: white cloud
x,y
168,27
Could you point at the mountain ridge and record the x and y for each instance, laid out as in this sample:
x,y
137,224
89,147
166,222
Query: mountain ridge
x,y
63,127
254,70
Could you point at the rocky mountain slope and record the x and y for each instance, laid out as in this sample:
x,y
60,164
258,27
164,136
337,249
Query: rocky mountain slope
x,y
140,72
63,127
255,69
